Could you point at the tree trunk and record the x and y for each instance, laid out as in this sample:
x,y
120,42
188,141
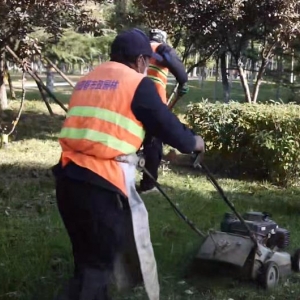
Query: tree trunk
x,y
72,69
279,76
50,78
36,78
3,94
45,98
178,37
81,67
194,72
216,79
203,76
244,83
292,67
54,66
259,79
63,67
61,73
252,65
231,71
39,67
224,77
11,87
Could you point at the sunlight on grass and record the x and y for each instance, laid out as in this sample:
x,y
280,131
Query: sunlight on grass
x,y
198,93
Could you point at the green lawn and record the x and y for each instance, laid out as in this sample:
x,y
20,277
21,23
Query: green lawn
x,y
35,254
198,91
214,92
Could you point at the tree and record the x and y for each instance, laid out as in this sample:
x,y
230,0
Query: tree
x,y
227,26
270,24
20,18
280,27
188,24
79,48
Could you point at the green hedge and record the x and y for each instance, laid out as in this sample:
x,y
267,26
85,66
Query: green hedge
x,y
261,140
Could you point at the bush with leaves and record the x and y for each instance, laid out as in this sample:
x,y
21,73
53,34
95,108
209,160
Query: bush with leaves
x,y
258,140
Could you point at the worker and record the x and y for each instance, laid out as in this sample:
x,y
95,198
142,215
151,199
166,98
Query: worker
x,y
158,72
109,111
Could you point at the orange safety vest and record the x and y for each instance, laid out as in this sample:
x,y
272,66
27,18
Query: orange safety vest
x,y
159,75
100,124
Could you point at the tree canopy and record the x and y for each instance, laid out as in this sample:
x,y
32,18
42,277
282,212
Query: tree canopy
x,y
219,26
18,19
246,29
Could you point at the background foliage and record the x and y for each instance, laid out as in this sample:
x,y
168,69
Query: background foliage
x,y
258,140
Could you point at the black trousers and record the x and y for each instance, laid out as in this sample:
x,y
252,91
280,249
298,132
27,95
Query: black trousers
x,y
94,220
153,155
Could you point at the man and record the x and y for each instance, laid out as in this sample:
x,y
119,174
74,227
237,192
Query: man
x,y
158,72
109,111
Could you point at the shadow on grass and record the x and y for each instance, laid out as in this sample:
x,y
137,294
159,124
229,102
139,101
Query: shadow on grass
x,y
31,227
61,93
219,168
35,253
34,125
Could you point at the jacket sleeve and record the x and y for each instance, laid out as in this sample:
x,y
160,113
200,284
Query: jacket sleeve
x,y
173,63
158,120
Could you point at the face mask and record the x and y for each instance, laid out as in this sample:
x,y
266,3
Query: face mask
x,y
145,69
145,72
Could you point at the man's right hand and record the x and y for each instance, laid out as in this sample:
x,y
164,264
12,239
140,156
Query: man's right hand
x,y
200,145
183,89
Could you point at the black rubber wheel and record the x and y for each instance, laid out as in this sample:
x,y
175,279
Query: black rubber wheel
x,y
296,261
270,275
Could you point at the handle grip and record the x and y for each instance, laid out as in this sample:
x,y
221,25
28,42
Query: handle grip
x,y
198,159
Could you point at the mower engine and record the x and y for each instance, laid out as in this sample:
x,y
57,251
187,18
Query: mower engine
x,y
264,260
267,232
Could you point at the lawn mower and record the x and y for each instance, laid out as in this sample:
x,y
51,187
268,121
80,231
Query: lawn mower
x,y
253,240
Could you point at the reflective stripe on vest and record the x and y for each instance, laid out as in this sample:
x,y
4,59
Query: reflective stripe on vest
x,y
158,81
159,70
101,137
159,75
100,124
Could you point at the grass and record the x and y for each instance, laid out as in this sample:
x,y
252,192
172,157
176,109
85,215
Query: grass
x,y
214,92
198,91
35,253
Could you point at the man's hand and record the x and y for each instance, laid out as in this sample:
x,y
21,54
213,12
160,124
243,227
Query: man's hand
x,y
200,146
183,89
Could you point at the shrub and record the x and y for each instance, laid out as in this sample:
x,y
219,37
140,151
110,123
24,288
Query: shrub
x,y
261,140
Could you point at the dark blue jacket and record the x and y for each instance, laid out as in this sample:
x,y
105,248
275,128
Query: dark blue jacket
x,y
173,63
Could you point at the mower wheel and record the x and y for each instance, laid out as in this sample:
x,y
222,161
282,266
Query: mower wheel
x,y
296,261
270,275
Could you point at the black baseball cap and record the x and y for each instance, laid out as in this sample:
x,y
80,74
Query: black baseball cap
x,y
132,43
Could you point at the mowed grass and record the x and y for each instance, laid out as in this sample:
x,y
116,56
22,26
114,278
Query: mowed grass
x,y
213,92
209,89
35,253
